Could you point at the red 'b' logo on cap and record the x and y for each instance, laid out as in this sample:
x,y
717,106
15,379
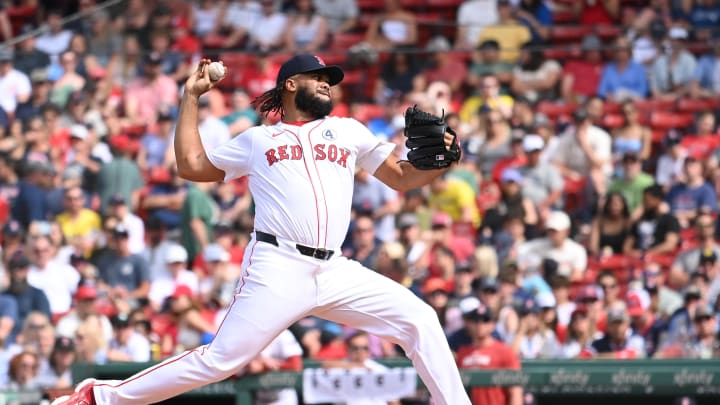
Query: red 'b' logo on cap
x,y
320,61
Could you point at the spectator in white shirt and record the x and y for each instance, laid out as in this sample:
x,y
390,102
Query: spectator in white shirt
x,y
133,223
585,151
15,87
127,345
57,280
176,263
213,131
267,33
570,255
56,40
156,249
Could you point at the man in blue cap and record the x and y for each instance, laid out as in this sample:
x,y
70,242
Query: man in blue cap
x,y
300,173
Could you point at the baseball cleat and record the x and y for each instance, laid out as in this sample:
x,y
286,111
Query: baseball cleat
x,y
83,395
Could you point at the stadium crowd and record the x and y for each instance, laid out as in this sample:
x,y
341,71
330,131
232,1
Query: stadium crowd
x,y
580,223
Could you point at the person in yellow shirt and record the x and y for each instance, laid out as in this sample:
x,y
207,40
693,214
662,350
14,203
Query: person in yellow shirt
x,y
76,220
508,32
456,198
489,95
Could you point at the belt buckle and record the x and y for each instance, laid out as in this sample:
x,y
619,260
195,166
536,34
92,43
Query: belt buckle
x,y
322,254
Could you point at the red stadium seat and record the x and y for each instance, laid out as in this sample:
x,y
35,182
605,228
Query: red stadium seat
x,y
651,105
444,3
566,34
694,105
370,4
607,31
345,41
413,4
611,107
554,110
612,121
562,53
668,120
563,17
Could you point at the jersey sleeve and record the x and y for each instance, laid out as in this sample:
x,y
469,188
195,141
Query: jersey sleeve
x,y
372,151
233,157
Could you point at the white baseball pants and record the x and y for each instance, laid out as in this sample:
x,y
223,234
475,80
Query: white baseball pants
x,y
280,286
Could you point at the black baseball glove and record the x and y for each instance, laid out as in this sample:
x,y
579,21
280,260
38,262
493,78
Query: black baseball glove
x,y
426,140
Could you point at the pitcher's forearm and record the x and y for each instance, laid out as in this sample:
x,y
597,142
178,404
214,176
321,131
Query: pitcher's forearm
x,y
188,146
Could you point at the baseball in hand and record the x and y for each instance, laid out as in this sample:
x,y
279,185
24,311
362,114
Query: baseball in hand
x,y
216,70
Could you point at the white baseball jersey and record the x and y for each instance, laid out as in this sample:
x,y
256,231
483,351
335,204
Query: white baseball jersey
x,y
306,172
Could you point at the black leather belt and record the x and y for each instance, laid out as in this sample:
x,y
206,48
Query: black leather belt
x,y
322,254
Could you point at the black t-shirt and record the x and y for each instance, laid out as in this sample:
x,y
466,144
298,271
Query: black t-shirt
x,y
652,229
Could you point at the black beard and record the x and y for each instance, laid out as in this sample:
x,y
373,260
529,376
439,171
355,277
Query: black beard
x,y
315,106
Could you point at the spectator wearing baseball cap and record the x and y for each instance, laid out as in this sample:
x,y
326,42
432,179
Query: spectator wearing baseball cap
x,y
533,339
118,207
580,334
486,352
127,344
512,201
706,342
26,297
85,307
183,306
581,76
642,319
177,274
125,273
703,258
150,92
570,255
672,72
12,238
542,182
619,342
446,242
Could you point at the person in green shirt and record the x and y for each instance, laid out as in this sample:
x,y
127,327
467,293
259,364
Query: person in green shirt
x,y
122,175
633,181
198,214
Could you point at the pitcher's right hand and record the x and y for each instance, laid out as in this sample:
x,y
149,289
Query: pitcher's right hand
x,y
199,81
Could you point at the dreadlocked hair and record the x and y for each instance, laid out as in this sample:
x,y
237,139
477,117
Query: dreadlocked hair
x,y
269,102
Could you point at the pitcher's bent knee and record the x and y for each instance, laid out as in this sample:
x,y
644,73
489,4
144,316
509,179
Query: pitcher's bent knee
x,y
421,322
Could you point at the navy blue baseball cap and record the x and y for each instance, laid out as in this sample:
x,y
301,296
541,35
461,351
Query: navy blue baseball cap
x,y
305,63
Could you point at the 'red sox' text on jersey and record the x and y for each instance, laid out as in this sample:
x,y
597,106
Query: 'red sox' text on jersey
x,y
310,165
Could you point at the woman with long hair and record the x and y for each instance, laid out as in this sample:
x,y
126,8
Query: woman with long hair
x,y
307,31
533,339
23,371
580,334
632,136
610,228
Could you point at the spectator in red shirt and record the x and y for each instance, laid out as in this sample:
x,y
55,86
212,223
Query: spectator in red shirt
x,y
444,67
581,77
486,352
705,140
597,12
260,77
516,159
